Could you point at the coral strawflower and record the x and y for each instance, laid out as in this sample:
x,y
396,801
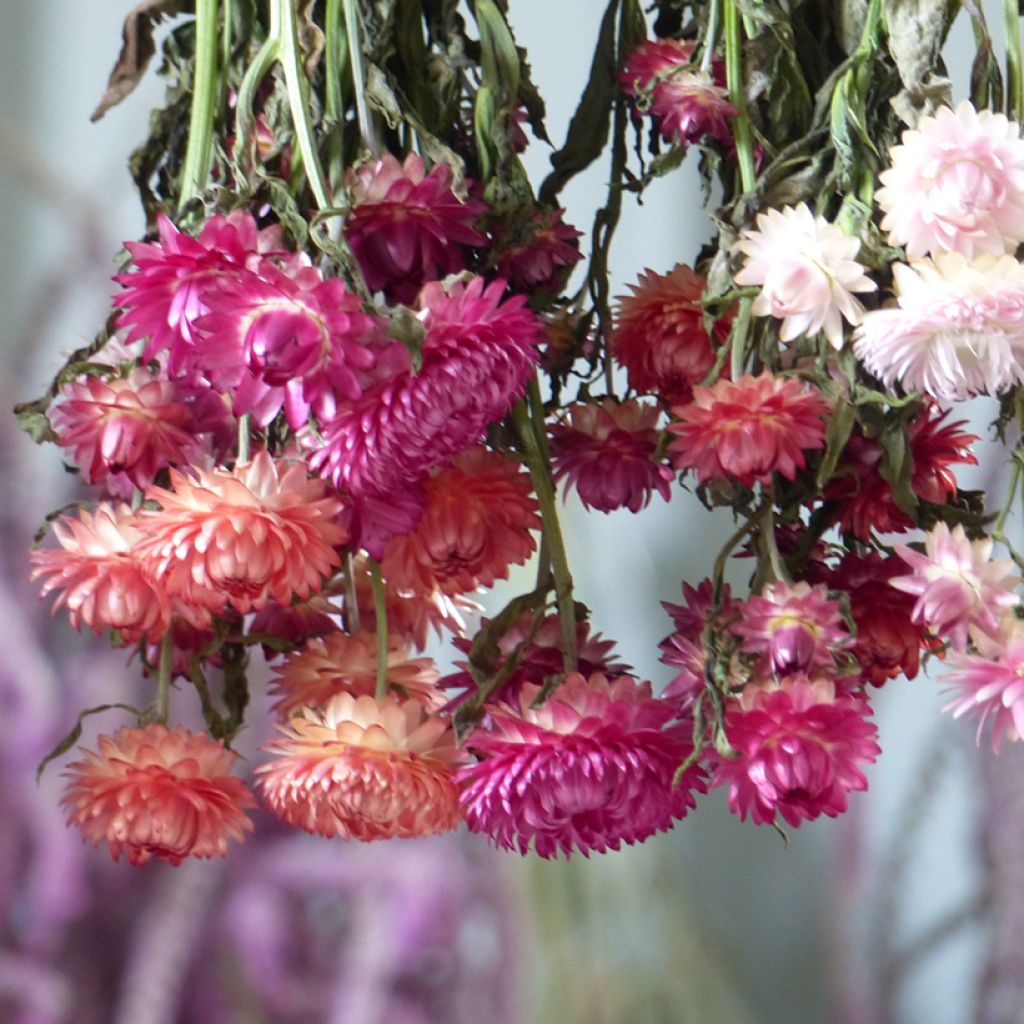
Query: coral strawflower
x,y
158,792
364,769
748,429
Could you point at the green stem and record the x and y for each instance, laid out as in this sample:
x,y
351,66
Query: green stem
x,y
528,416
738,339
367,128
737,95
163,686
334,102
254,75
226,40
244,425
710,36
766,532
380,612
352,616
199,152
297,87
1014,76
1015,475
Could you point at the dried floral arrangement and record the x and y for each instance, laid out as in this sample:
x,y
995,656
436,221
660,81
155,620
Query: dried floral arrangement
x,y
345,374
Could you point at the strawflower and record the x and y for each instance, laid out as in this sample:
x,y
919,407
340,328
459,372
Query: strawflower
x,y
542,260
807,271
158,792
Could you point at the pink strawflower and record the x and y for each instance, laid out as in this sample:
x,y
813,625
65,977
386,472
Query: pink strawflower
x,y
407,227
688,102
364,769
166,294
956,184
542,258
124,430
990,684
263,531
794,628
956,584
477,356
606,450
689,618
748,429
807,270
477,522
591,768
659,335
101,577
158,792
800,750
287,339
958,330
340,663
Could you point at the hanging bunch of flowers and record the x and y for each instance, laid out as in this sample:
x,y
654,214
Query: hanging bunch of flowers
x,y
359,350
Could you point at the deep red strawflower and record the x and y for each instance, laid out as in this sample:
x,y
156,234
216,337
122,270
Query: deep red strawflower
x,y
407,227
865,501
166,294
605,449
800,752
478,353
590,769
748,429
477,521
659,335
542,259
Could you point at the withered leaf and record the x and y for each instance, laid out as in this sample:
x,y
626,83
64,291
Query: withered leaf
x,y
137,48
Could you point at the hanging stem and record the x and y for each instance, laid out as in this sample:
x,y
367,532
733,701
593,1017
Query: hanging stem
x,y
244,424
352,616
163,684
710,36
367,128
1014,74
335,54
199,153
737,95
380,611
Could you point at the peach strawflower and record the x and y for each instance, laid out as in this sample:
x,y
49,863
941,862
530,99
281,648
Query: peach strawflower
x,y
477,522
807,270
956,184
101,577
659,335
748,429
340,663
158,792
957,584
364,769
263,531
958,330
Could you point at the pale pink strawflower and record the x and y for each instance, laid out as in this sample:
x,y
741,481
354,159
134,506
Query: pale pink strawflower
x,y
590,769
364,769
407,227
800,751
606,450
990,684
158,792
543,256
262,531
166,293
477,356
477,522
957,584
748,429
958,329
793,628
101,577
956,184
124,430
340,663
808,273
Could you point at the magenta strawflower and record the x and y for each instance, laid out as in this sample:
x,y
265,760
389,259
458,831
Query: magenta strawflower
x,y
606,450
590,769
542,258
748,429
956,185
800,750
689,618
794,628
407,227
957,585
478,353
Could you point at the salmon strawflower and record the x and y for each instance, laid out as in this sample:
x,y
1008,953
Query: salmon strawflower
x,y
477,522
101,577
262,531
158,792
748,429
340,663
364,769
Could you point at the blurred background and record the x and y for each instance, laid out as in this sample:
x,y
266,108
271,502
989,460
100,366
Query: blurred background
x,y
908,909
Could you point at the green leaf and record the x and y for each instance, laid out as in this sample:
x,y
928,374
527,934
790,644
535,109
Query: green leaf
x,y
897,466
31,417
917,31
840,426
76,733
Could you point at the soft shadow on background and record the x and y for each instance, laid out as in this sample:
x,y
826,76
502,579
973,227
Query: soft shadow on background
x,y
895,913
